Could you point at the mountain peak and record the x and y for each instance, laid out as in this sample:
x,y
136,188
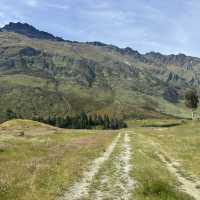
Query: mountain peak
x,y
29,31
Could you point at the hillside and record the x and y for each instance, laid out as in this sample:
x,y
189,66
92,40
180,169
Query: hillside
x,y
42,75
26,128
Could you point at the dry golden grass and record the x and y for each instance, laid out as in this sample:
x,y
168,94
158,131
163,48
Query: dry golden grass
x,y
45,161
40,166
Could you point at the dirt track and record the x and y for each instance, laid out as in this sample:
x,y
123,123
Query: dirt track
x,y
117,185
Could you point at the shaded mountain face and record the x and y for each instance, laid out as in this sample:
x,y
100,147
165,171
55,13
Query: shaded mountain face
x,y
39,77
29,31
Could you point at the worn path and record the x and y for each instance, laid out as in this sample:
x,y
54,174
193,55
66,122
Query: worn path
x,y
80,189
109,175
187,185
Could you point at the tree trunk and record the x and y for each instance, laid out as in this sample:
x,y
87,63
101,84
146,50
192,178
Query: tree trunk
x,y
192,114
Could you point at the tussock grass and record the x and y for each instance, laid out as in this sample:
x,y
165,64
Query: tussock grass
x,y
180,143
42,166
153,179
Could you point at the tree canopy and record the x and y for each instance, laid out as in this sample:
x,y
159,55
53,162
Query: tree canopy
x,y
83,121
191,99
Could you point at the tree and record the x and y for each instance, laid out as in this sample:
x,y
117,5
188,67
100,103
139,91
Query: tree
x,y
83,120
90,121
192,100
68,122
106,122
10,114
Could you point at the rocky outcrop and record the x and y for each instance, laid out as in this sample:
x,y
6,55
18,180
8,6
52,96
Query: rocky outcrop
x,y
180,60
29,31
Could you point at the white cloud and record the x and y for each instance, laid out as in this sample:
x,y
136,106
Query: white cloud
x,y
2,14
36,3
32,3
57,6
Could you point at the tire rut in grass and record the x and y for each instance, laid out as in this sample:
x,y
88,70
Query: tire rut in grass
x,y
80,189
188,186
113,181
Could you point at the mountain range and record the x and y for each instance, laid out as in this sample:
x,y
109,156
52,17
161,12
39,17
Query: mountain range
x,y
42,75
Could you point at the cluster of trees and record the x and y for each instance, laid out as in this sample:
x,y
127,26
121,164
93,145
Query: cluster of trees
x,y
83,121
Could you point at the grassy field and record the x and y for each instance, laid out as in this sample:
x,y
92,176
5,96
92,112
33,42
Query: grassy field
x,y
42,162
40,166
181,143
155,182
178,142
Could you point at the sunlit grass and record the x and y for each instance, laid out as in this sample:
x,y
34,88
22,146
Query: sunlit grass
x,y
41,167
154,181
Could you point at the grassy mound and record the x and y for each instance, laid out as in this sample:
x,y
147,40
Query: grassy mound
x,y
20,127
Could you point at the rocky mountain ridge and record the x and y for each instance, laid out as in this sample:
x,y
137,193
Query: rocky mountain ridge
x,y
62,76
29,31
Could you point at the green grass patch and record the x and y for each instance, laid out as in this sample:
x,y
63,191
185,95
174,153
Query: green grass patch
x,y
153,179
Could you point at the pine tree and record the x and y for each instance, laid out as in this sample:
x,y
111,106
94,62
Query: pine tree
x,y
90,121
10,114
106,122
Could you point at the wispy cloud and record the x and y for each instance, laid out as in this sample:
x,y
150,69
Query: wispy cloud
x,y
57,6
46,4
167,26
8,14
32,3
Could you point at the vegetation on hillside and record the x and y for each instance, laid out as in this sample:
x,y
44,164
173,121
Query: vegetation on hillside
x,y
81,121
47,78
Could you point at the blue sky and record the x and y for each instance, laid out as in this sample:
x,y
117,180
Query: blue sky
x,y
170,26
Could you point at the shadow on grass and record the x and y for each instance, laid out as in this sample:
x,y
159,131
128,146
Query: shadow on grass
x,y
163,125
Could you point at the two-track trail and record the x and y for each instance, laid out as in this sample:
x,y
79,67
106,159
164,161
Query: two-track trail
x,y
187,185
108,177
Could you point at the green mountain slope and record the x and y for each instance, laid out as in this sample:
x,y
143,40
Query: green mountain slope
x,y
41,76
